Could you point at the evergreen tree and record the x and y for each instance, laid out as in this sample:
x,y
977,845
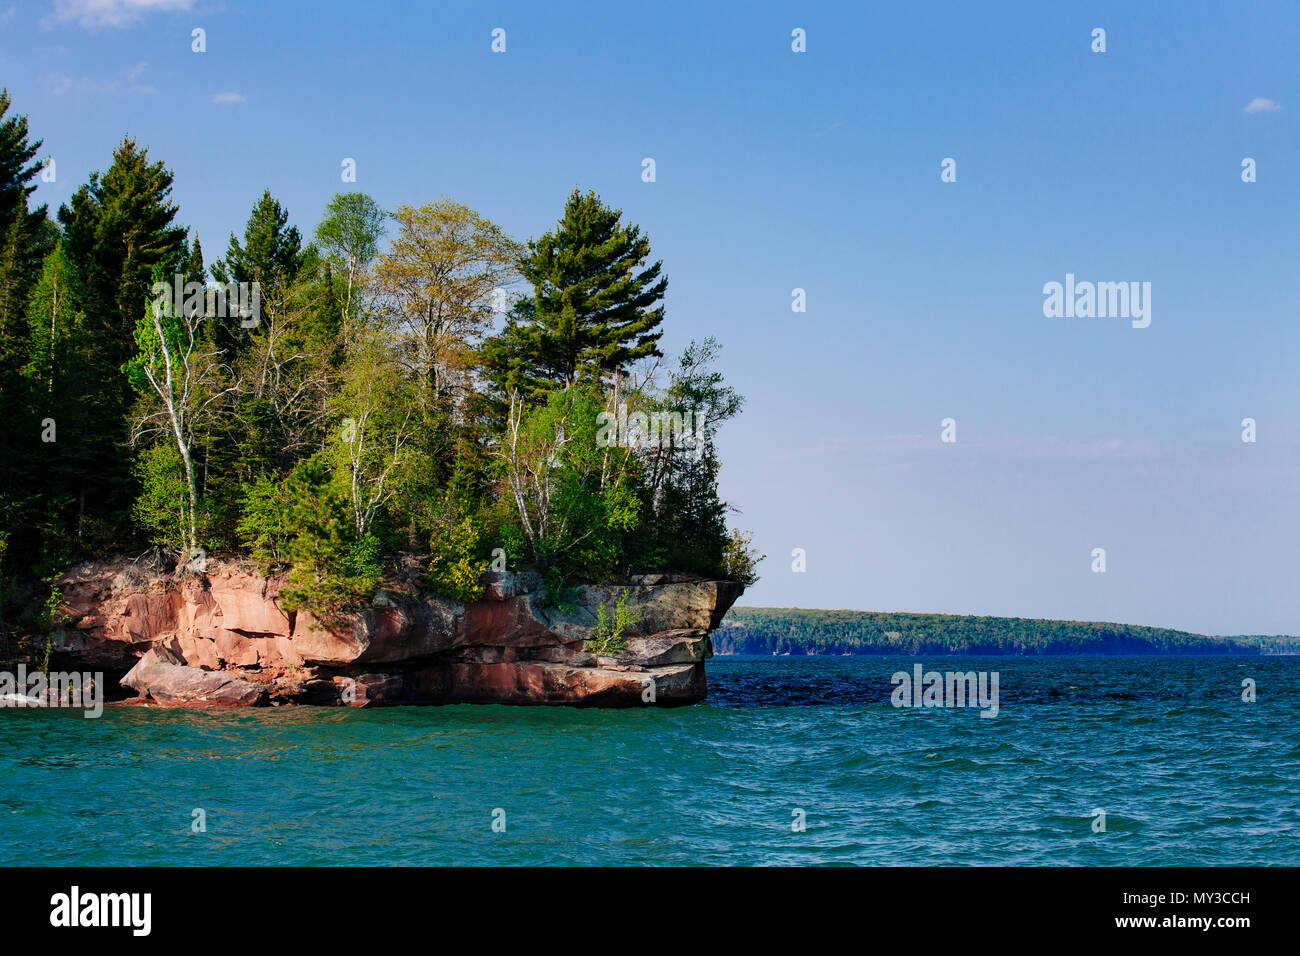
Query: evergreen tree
x,y
23,244
117,230
271,251
306,521
270,255
595,309
17,168
26,236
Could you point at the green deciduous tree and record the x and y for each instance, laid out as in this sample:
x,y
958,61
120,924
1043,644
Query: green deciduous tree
x,y
570,518
349,234
434,287
180,380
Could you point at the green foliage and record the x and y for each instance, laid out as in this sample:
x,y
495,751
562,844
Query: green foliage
x,y
574,514
368,410
264,524
163,502
18,168
595,309
350,229
606,638
364,567
739,558
458,562
271,251
24,240
118,233
55,613
118,228
306,522
767,630
377,421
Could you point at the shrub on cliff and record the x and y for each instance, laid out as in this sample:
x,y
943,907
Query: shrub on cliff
x,y
740,559
607,637
305,521
457,565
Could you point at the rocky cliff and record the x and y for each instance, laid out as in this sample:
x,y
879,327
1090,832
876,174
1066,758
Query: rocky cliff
x,y
220,637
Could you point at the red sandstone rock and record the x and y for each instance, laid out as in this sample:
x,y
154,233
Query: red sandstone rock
x,y
247,602
176,633
157,677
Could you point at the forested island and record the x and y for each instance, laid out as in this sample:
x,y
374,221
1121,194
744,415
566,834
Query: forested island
x,y
780,630
411,386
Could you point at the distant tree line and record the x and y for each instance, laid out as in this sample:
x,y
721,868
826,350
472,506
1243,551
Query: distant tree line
x,y
768,630
323,405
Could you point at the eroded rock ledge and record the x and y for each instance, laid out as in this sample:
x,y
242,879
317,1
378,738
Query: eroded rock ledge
x,y
221,638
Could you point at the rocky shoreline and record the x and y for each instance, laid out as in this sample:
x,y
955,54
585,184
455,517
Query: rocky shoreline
x,y
220,638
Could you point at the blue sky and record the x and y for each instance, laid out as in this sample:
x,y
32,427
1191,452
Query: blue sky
x,y
821,170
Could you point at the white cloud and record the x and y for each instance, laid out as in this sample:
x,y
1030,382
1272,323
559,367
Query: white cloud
x,y
127,82
229,97
110,13
133,79
1261,104
61,83
838,124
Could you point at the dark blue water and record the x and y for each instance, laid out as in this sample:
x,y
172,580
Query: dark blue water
x,y
1186,772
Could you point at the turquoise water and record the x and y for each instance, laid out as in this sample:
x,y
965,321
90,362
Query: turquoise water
x,y
1186,772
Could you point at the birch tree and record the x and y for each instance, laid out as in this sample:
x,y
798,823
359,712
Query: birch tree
x,y
350,232
178,375
376,427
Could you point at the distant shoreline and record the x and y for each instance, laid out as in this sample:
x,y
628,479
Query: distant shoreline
x,y
797,632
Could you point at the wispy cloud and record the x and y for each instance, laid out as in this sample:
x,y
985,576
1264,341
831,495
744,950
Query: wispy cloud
x,y
228,98
61,83
1262,104
133,79
126,82
818,134
109,13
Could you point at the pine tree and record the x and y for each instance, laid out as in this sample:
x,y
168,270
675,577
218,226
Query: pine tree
x,y
117,230
118,227
17,169
26,236
23,242
270,255
595,309
59,396
271,251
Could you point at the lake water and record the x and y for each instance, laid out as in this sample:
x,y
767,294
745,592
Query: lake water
x,y
1185,771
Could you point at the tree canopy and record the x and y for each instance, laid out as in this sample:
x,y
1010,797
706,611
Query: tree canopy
x,y
413,386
